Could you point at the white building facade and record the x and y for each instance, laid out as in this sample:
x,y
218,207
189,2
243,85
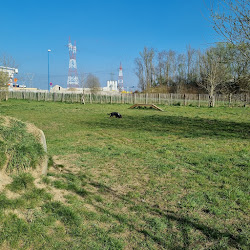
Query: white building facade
x,y
11,72
111,86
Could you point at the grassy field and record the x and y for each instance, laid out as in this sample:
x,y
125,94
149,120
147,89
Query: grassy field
x,y
177,179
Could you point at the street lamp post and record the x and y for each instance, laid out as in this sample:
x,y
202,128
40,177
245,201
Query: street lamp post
x,y
48,69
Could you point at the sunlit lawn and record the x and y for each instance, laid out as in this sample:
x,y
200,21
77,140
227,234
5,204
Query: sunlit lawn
x,y
174,179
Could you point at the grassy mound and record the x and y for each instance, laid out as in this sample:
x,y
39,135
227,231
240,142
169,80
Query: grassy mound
x,y
19,150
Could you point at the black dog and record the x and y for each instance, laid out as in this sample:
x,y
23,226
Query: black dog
x,y
116,114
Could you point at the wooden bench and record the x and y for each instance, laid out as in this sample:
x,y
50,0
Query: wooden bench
x,y
146,105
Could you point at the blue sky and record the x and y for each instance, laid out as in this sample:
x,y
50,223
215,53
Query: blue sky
x,y
106,33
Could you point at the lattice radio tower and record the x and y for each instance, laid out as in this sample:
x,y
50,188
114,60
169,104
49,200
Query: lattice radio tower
x,y
73,81
120,79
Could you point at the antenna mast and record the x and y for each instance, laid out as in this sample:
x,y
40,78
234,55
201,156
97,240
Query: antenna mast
x,y
73,81
120,79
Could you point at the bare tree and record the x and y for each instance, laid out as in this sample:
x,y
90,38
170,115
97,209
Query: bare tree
x,y
93,83
145,69
239,69
8,61
181,72
190,64
213,73
139,71
171,66
161,57
231,20
166,67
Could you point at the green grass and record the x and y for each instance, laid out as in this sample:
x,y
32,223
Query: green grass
x,y
177,179
21,181
23,149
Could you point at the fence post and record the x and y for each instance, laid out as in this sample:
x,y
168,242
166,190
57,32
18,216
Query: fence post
x,y
245,104
146,98
170,99
199,100
110,99
185,101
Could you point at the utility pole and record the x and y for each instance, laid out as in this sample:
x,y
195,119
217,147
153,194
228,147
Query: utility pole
x,y
48,69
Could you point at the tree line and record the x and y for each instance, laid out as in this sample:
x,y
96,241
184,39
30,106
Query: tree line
x,y
223,68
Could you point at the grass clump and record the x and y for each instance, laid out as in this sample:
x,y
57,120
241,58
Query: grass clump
x,y
64,213
22,148
6,203
21,182
72,183
13,229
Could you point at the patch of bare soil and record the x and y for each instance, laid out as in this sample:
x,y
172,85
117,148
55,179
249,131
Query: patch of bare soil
x,y
32,129
11,195
5,246
25,214
90,207
6,121
39,184
58,194
4,180
63,163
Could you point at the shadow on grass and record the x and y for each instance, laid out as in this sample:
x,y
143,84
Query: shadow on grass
x,y
177,125
177,225
183,223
